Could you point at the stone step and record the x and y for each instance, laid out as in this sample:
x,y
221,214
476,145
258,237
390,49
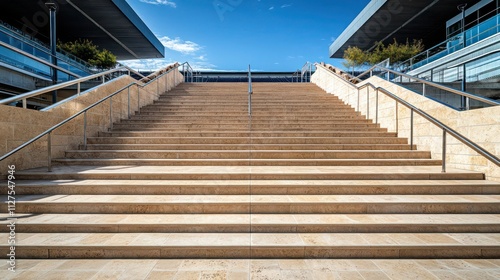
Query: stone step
x,y
248,154
255,119
251,147
256,223
258,134
246,162
254,140
135,172
254,187
257,204
244,120
255,245
236,127
244,113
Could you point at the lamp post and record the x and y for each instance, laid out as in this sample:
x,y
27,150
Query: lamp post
x,y
52,6
462,7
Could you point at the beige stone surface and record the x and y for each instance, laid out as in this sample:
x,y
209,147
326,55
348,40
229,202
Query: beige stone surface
x,y
481,126
254,269
19,125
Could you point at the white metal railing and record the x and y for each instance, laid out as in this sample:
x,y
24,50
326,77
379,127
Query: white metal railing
x,y
23,97
446,129
83,112
306,72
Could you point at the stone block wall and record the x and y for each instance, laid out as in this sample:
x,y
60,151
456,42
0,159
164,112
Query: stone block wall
x,y
481,126
18,125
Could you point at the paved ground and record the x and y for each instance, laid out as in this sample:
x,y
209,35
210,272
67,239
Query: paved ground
x,y
253,269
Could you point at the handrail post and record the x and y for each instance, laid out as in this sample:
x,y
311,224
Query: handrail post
x,y
85,130
49,152
138,99
78,89
376,106
397,118
25,103
423,89
103,79
358,101
367,102
128,102
250,91
111,113
411,129
444,153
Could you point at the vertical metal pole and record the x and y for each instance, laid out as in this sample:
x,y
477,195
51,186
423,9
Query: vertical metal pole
x,y
25,103
78,89
444,152
111,113
85,130
53,45
423,89
376,106
411,129
138,100
358,101
103,79
49,152
367,102
397,119
128,103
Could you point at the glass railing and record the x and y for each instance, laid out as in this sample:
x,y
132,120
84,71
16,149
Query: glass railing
x,y
22,42
473,35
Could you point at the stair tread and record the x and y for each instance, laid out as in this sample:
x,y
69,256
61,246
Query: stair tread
x,y
256,240
256,219
256,183
256,199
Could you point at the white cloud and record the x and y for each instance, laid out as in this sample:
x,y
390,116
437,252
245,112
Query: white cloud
x,y
160,2
178,45
286,6
148,64
272,8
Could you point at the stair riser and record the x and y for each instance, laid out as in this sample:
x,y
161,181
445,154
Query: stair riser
x,y
255,252
255,208
345,141
251,154
253,190
247,162
253,176
248,147
244,134
247,228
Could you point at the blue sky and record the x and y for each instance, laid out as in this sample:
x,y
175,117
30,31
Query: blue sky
x,y
271,35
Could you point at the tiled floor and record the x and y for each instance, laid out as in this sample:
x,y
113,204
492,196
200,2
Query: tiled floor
x,y
254,269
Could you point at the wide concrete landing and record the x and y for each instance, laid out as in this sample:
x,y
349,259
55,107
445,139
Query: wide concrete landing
x,y
255,269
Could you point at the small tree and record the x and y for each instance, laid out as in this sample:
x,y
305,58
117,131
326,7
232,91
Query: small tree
x,y
396,52
354,57
89,52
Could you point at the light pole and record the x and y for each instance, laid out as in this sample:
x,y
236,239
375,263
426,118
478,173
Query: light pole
x,y
462,7
52,6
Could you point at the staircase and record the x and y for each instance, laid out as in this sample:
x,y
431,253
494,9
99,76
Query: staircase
x,y
192,176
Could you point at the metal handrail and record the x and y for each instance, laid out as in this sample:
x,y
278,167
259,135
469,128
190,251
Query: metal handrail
x,y
77,82
446,129
250,91
425,82
306,71
84,112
